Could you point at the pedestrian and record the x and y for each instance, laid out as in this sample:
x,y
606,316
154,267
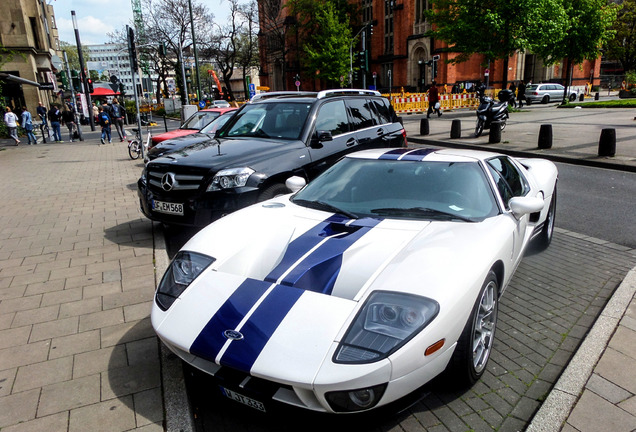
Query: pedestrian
x,y
11,120
27,125
521,93
118,119
105,122
433,101
95,113
55,117
41,111
68,117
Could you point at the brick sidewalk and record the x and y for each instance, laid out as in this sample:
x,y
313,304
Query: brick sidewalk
x,y
77,351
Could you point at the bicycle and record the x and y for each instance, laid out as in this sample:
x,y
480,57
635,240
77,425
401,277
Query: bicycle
x,y
135,149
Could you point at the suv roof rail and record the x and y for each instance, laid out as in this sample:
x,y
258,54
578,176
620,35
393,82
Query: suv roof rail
x,y
344,92
269,95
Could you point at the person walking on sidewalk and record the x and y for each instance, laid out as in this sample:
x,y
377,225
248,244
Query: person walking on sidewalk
x,y
27,125
433,101
68,117
118,119
105,122
41,111
11,120
55,117
521,93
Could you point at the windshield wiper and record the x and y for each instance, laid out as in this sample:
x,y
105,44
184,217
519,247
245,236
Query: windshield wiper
x,y
419,211
321,205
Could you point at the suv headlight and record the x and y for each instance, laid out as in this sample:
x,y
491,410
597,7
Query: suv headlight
x,y
386,322
184,268
230,178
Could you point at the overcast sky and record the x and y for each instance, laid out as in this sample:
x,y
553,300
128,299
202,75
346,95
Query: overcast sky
x,y
96,18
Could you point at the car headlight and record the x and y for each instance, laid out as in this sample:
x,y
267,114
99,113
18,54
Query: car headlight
x,y
144,175
184,268
230,178
386,322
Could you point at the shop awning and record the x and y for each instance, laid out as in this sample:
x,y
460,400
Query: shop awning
x,y
101,91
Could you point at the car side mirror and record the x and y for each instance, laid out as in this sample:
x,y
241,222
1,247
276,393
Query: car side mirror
x,y
525,205
295,183
324,136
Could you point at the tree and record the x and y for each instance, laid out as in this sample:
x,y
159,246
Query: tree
x,y
247,57
588,27
73,57
323,29
327,51
496,29
623,46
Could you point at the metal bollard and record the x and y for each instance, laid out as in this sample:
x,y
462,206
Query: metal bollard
x,y
424,127
165,124
581,97
495,133
596,96
545,136
607,142
456,129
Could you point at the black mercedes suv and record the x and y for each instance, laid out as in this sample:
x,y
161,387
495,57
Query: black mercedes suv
x,y
271,138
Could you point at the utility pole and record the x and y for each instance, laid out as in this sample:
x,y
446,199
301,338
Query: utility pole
x,y
83,71
73,98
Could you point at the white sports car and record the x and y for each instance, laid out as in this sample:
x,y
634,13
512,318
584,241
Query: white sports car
x,y
363,285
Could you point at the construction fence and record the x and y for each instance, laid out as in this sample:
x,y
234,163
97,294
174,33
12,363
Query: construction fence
x,y
410,103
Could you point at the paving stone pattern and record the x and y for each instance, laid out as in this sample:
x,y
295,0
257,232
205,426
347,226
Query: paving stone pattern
x,y
77,351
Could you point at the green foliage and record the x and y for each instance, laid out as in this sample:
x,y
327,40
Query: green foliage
x,y
71,54
623,46
619,103
630,77
328,50
130,107
587,27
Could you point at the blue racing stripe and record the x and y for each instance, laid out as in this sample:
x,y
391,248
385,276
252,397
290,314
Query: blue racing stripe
x,y
418,154
303,244
318,272
260,327
394,154
211,339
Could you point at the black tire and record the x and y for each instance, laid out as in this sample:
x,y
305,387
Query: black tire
x,y
572,97
134,150
474,346
479,127
544,238
545,100
273,191
528,102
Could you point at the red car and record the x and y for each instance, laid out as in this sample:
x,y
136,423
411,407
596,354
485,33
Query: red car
x,y
194,124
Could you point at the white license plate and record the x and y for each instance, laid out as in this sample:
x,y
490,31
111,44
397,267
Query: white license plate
x,y
167,207
243,399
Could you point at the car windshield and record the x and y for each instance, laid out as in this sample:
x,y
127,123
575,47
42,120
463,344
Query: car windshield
x,y
279,120
199,119
216,124
420,190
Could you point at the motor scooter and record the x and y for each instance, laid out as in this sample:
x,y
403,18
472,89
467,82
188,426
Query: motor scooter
x,y
488,112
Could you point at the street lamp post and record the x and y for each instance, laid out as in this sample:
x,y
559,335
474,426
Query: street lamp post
x,y
83,71
196,57
73,98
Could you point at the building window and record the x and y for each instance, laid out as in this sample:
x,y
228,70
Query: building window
x,y
34,32
388,26
367,11
420,7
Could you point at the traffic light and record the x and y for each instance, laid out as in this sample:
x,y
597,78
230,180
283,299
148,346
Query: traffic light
x,y
363,60
133,48
371,29
63,79
163,51
188,74
90,85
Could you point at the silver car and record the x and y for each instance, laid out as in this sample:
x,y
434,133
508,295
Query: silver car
x,y
546,93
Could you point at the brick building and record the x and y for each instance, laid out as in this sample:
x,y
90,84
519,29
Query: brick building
x,y
400,56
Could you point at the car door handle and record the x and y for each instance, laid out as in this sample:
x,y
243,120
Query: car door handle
x,y
380,132
351,142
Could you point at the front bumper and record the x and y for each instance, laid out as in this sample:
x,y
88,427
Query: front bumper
x,y
199,209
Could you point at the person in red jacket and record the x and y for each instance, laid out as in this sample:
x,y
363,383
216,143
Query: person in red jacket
x,y
433,100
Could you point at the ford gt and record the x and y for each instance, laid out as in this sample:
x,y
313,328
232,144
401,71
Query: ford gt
x,y
361,286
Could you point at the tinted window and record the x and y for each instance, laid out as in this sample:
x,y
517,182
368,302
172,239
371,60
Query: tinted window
x,y
360,113
383,108
510,181
332,117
